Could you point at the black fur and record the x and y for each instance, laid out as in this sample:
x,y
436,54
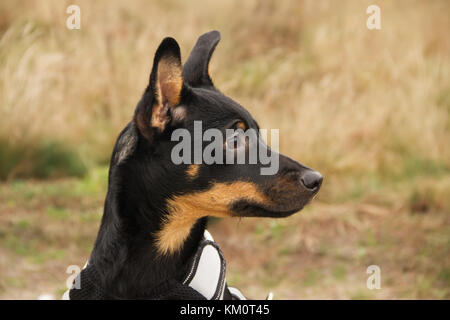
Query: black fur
x,y
142,178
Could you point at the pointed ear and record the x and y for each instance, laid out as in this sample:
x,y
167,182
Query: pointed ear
x,y
163,92
195,70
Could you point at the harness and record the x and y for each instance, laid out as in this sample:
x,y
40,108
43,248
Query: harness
x,y
205,280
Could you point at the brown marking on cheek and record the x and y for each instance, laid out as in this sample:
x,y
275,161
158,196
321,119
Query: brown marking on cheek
x,y
185,210
192,171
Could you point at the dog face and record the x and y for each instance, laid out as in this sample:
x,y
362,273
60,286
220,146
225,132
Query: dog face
x,y
180,97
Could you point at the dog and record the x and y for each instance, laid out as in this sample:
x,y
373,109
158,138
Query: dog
x,y
152,242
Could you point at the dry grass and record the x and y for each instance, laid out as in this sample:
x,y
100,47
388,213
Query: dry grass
x,y
345,98
369,109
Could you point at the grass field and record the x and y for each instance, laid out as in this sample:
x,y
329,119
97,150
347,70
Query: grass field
x,y
322,252
369,109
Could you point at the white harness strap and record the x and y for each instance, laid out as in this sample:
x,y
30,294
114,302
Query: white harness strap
x,y
208,277
207,273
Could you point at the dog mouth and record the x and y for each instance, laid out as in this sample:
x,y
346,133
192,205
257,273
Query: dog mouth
x,y
244,208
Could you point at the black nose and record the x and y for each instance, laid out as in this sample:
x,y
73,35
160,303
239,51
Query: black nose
x,y
311,180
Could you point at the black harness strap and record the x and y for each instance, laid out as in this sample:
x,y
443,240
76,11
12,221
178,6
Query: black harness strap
x,y
204,280
91,290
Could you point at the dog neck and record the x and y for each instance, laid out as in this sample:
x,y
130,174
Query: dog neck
x,y
126,253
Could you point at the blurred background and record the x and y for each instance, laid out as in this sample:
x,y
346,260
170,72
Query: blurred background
x,y
369,109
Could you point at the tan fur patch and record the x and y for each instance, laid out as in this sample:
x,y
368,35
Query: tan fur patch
x,y
170,80
185,210
192,171
241,125
159,117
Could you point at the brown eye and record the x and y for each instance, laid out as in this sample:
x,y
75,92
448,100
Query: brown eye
x,y
236,140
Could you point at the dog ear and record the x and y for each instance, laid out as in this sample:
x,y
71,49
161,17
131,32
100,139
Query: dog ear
x,y
163,92
195,70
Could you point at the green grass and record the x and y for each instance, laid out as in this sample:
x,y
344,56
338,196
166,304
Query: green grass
x,y
44,160
339,272
58,213
93,183
21,225
17,245
369,240
52,159
312,277
360,294
414,166
47,255
444,277
277,228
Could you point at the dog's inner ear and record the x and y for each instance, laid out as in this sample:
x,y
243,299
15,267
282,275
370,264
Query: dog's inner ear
x,y
169,83
164,91
196,68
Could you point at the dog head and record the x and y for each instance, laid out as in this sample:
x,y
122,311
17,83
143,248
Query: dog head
x,y
181,104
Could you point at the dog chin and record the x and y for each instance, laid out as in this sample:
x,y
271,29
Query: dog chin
x,y
249,209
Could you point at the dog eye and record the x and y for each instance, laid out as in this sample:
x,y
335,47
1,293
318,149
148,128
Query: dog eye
x,y
236,140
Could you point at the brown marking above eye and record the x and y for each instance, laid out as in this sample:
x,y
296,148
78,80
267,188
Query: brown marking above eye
x,y
185,210
192,171
241,125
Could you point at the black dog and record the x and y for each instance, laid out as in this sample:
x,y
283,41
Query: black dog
x,y
156,211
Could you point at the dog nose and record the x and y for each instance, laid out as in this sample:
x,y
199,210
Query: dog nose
x,y
311,180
